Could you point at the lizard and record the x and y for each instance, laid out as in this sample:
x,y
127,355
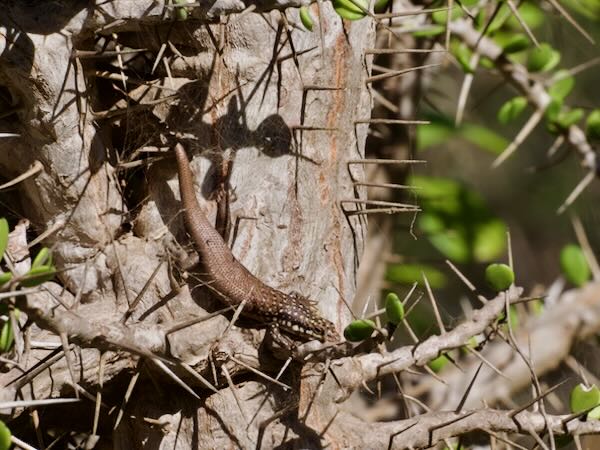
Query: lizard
x,y
291,313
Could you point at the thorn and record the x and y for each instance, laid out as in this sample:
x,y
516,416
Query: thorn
x,y
486,362
385,185
536,399
199,377
92,54
393,121
259,373
158,58
140,295
312,128
465,89
36,403
161,365
398,433
394,51
265,423
585,182
555,145
586,247
303,416
386,161
361,212
524,25
435,427
520,137
396,73
378,203
282,370
461,276
21,444
468,390
35,168
128,392
234,392
196,320
436,311
571,20
511,262
66,349
415,12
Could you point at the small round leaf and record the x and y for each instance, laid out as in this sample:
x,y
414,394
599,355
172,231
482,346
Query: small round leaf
x,y
543,58
306,18
38,275
5,436
5,277
592,124
499,276
438,363
6,337
359,330
394,309
3,235
511,109
585,397
351,9
573,265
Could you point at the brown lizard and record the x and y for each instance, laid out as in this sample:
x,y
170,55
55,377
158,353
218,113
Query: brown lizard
x,y
292,313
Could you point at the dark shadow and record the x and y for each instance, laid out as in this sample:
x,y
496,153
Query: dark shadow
x,y
40,16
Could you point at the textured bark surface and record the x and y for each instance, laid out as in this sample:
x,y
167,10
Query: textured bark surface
x,y
246,91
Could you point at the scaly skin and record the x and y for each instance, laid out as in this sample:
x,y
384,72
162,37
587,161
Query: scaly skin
x,y
292,313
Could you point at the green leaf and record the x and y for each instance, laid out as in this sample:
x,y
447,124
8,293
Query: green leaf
x,y
484,138
430,223
592,124
512,109
5,277
531,14
3,236
351,9
573,265
431,31
562,87
504,13
543,58
512,42
181,13
452,245
306,18
438,363
437,132
553,110
490,240
499,276
583,398
6,337
5,436
43,258
587,8
394,309
410,273
567,118
38,275
440,17
359,330
380,6
463,55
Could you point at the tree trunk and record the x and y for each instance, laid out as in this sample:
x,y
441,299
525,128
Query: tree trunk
x,y
268,112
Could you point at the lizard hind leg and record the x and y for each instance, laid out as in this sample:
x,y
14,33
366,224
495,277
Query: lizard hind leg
x,y
281,341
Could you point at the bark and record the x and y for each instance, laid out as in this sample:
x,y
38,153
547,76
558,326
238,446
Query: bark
x,y
250,91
